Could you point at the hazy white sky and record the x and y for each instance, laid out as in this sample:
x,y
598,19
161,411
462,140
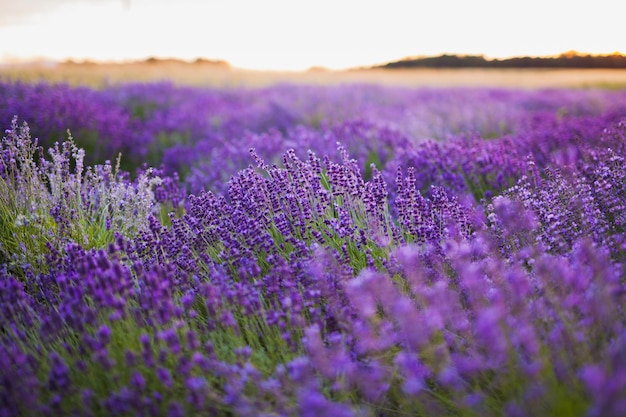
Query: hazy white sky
x,y
297,34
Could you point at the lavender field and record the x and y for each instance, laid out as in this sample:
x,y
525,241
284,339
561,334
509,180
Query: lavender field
x,y
293,250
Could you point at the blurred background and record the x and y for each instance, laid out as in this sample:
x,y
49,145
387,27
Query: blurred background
x,y
273,40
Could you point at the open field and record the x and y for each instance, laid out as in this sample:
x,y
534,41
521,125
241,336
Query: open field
x,y
295,250
207,74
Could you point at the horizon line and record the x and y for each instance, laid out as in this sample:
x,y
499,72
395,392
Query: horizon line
x,y
42,60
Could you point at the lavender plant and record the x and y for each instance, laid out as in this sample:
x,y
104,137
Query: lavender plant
x,y
465,276
52,202
585,200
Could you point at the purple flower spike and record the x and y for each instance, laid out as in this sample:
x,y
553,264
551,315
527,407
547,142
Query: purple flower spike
x,y
59,378
197,387
312,403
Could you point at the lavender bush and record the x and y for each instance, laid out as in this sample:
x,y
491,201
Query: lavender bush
x,y
346,251
48,203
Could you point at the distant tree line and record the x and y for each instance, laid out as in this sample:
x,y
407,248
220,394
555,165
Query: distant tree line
x,y
567,60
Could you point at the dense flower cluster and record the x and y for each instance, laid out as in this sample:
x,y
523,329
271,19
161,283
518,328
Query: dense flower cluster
x,y
346,251
204,134
51,200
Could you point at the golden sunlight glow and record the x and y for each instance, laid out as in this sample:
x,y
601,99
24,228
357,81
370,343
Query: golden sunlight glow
x,y
296,34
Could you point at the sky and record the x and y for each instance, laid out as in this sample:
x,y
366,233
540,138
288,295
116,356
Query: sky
x,y
298,34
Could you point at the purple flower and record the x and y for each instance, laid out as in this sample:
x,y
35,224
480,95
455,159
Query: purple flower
x,y
165,377
414,372
59,377
175,409
138,381
197,387
104,334
170,337
313,403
